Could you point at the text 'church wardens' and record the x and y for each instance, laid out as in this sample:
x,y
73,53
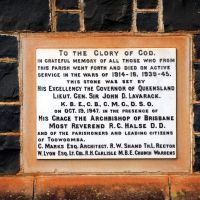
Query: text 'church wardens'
x,y
111,103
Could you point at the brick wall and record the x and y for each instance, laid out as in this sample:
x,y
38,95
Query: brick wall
x,y
133,16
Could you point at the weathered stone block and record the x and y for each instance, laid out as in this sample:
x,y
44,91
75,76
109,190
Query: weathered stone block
x,y
9,154
9,87
68,22
196,66
67,4
147,4
22,15
9,118
181,15
147,22
108,15
197,46
196,125
9,142
197,84
8,46
196,166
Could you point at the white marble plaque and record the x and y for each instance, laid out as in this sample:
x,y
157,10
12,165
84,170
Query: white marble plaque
x,y
106,103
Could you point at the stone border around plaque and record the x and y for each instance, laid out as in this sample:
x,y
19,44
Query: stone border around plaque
x,y
114,123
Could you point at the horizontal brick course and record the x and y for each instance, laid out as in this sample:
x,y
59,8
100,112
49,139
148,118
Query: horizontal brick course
x,y
102,187
99,15
16,188
185,187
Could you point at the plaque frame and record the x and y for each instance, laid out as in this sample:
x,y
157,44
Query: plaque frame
x,y
29,44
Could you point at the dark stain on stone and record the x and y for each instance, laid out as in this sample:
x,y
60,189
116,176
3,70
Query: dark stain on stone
x,y
147,4
181,15
115,192
8,46
108,15
68,22
22,15
9,86
147,22
9,118
67,4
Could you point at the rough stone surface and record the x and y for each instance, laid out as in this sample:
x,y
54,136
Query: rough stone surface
x,y
196,125
196,66
108,15
197,84
68,22
16,188
147,22
9,118
147,4
9,161
8,46
9,87
196,166
197,46
24,15
9,142
67,4
9,154
181,15
185,187
100,188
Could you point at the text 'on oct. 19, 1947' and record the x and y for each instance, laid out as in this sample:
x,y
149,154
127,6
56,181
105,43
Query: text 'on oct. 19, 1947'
x,y
112,103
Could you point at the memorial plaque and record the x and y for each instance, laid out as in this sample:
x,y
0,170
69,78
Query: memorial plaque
x,y
106,103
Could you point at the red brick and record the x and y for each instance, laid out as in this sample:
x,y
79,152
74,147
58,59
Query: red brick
x,y
102,187
185,187
16,188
